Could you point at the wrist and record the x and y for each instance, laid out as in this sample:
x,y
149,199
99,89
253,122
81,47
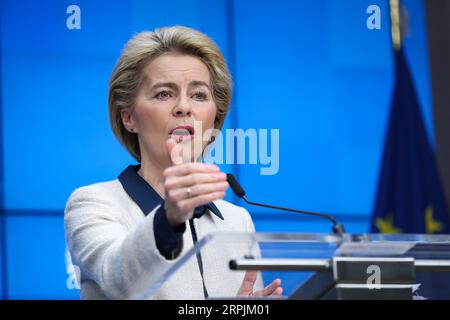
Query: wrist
x,y
174,223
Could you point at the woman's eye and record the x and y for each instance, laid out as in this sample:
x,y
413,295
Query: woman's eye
x,y
200,96
163,95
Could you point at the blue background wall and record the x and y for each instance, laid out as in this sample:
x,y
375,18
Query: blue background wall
x,y
308,68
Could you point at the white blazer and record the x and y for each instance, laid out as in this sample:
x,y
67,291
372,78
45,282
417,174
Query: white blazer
x,y
112,243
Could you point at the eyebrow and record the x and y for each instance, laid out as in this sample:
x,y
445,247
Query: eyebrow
x,y
174,86
198,84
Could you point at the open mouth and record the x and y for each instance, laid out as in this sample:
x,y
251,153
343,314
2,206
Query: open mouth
x,y
182,133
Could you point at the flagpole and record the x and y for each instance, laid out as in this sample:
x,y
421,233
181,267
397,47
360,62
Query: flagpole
x,y
395,24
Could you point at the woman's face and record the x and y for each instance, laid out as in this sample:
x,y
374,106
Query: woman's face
x,y
175,93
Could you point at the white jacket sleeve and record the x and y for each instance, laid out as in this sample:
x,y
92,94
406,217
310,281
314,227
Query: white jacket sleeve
x,y
115,258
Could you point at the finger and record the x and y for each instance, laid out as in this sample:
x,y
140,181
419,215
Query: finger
x,y
180,151
174,152
188,168
206,188
278,292
192,203
174,182
248,283
271,288
196,190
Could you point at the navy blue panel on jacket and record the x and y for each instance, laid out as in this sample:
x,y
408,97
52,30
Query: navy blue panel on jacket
x,y
168,239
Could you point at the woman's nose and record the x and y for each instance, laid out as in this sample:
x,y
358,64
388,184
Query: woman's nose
x,y
182,109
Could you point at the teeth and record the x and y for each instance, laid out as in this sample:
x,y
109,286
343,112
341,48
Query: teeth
x,y
181,132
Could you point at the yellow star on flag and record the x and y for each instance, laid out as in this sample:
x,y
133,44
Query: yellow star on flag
x,y
431,225
387,225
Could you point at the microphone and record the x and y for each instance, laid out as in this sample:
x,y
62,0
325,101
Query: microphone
x,y
338,228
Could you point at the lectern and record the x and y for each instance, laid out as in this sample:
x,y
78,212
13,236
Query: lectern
x,y
325,266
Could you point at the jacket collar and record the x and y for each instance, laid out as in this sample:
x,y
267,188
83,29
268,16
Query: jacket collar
x,y
147,198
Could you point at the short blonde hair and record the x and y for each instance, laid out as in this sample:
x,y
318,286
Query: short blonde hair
x,y
144,47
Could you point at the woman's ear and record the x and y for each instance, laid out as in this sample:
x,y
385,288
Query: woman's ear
x,y
127,120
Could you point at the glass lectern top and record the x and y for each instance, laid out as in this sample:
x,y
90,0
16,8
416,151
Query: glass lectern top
x,y
218,250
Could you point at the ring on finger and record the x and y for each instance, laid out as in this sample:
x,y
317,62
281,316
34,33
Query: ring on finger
x,y
189,192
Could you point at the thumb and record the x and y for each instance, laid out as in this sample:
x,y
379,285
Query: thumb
x,y
246,288
174,151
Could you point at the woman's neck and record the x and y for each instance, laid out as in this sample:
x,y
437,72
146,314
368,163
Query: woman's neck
x,y
152,172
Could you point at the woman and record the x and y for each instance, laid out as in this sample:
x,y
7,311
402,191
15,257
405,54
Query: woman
x,y
134,228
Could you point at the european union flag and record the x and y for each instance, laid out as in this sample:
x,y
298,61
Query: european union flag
x,y
410,197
